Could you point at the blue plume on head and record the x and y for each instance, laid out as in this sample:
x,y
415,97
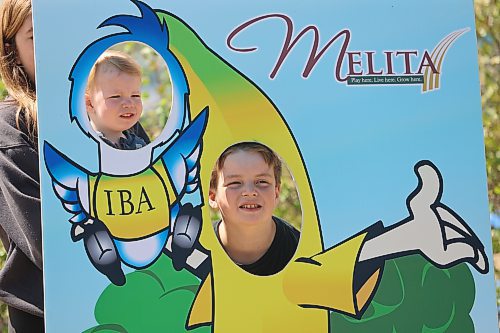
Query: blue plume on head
x,y
146,29
147,22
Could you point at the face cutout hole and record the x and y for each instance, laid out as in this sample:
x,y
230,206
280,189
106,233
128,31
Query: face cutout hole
x,y
256,218
129,95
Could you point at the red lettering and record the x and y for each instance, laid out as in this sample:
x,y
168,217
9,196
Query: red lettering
x,y
355,63
371,71
290,42
388,60
427,62
352,63
407,55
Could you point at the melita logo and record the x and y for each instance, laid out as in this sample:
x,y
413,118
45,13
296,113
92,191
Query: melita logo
x,y
358,67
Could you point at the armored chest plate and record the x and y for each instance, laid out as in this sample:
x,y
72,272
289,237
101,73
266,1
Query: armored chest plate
x,y
131,207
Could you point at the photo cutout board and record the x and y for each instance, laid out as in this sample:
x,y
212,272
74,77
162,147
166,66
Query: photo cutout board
x,y
373,109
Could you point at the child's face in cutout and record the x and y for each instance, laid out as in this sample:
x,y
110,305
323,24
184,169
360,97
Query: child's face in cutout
x,y
246,192
114,104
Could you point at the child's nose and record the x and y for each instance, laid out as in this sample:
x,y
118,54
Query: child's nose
x,y
249,190
127,102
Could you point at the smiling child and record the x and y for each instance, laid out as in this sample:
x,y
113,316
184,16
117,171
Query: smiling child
x,y
244,187
113,99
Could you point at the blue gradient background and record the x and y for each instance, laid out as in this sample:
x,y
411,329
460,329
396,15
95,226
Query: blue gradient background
x,y
359,143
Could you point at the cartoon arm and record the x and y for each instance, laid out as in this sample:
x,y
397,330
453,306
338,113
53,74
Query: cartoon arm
x,y
182,161
334,279
432,229
345,277
70,184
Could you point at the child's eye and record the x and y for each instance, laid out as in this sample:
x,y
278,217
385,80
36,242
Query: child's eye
x,y
233,184
136,96
263,182
114,96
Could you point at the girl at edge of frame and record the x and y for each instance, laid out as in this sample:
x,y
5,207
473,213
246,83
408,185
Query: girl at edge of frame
x,y
21,278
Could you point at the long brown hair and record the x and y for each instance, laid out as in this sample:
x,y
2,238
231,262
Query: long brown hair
x,y
13,13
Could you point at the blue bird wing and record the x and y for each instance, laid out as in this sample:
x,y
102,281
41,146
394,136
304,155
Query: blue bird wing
x,y
182,160
69,182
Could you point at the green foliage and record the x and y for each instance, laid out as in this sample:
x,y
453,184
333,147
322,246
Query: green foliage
x,y
156,299
289,205
3,91
415,296
495,235
498,297
488,34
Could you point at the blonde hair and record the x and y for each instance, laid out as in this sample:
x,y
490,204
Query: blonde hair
x,y
114,59
267,154
13,13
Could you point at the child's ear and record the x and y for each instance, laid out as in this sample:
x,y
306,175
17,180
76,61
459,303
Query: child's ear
x,y
211,200
88,103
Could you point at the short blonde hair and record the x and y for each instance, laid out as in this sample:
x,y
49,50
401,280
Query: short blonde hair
x,y
267,154
13,13
115,59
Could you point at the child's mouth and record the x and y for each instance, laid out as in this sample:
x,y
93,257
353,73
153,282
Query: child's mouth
x,y
250,206
126,115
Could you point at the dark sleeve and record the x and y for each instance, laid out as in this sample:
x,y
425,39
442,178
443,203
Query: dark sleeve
x,y
20,215
21,278
138,130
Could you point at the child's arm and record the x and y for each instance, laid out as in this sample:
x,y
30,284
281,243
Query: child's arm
x,y
432,229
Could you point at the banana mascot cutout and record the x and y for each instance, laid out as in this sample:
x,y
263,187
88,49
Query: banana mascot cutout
x,y
342,278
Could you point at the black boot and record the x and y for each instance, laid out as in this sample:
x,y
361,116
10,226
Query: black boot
x,y
185,235
102,252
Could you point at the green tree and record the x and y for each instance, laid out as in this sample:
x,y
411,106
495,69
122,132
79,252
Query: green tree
x,y
3,91
488,35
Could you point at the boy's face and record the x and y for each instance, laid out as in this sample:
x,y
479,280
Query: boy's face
x,y
246,192
114,104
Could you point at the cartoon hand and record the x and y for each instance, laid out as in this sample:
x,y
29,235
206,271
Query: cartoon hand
x,y
432,229
435,229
